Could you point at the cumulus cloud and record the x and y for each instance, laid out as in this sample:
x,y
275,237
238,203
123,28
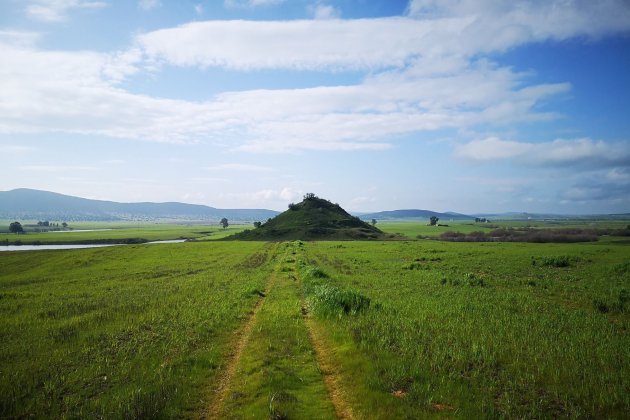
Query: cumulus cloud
x,y
583,152
57,10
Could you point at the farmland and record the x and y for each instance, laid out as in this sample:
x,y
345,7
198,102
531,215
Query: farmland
x,y
398,329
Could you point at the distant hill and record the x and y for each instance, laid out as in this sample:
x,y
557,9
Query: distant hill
x,y
523,216
27,204
414,214
312,219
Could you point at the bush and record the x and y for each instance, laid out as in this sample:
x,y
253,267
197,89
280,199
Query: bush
x,y
560,261
330,300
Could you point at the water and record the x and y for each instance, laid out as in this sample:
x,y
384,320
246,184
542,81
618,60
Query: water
x,y
78,230
76,246
43,247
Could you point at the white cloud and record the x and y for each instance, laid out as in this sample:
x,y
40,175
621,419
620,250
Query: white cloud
x,y
57,10
149,4
247,45
324,11
241,167
424,74
250,3
285,194
561,152
56,168
464,31
79,92
13,149
19,38
500,24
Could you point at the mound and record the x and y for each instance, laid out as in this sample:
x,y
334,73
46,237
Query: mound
x,y
312,219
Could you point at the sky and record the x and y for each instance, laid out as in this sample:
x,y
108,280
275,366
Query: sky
x,y
473,106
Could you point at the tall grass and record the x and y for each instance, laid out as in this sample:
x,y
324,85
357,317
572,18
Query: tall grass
x,y
511,348
131,332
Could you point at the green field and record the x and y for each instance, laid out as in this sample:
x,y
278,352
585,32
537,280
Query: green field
x,y
399,329
412,229
119,232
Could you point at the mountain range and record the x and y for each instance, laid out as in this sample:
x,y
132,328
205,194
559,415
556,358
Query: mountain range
x,y
414,214
27,204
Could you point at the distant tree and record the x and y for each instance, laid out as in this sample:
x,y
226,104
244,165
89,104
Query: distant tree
x,y
224,223
293,206
16,227
64,225
373,222
309,196
257,224
433,221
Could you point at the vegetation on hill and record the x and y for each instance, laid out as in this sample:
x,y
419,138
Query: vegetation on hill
x,y
312,219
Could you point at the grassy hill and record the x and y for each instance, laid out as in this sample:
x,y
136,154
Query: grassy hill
x,y
312,219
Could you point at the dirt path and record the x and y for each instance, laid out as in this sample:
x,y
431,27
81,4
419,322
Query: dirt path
x,y
326,364
221,391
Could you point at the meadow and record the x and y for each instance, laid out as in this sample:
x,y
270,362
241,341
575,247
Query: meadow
x,y
119,232
413,229
346,329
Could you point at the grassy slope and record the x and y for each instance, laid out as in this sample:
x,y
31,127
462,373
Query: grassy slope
x,y
476,329
136,331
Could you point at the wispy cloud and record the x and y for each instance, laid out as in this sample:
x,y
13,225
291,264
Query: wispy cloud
x,y
422,73
56,168
57,10
242,167
285,194
324,11
149,4
454,28
11,149
557,153
250,3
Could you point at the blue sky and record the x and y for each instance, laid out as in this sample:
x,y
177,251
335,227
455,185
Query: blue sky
x,y
451,105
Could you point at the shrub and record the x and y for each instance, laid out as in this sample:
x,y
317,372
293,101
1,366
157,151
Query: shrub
x,y
330,300
559,261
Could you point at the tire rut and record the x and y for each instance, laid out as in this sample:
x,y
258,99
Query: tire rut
x,y
220,392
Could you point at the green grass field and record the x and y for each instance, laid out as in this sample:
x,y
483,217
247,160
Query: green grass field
x,y
120,232
413,229
400,329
